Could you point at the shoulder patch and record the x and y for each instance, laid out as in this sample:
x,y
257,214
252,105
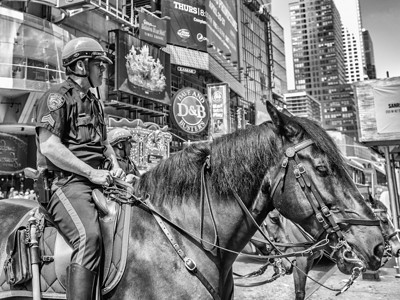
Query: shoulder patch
x,y
48,119
55,101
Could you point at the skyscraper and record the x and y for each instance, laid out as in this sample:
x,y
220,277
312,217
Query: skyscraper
x,y
369,54
319,61
350,16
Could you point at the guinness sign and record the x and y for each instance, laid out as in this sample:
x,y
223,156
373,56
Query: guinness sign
x,y
190,110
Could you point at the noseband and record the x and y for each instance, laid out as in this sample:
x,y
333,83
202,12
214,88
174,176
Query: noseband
x,y
322,212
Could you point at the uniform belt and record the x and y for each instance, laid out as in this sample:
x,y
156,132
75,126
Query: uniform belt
x,y
61,174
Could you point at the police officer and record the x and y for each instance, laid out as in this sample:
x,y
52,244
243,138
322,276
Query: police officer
x,y
120,140
72,145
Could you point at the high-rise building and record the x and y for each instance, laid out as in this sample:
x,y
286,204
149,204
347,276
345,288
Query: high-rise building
x,y
369,54
263,65
318,55
303,105
279,79
319,61
350,16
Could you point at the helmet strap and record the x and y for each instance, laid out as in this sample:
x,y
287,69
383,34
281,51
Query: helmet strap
x,y
74,73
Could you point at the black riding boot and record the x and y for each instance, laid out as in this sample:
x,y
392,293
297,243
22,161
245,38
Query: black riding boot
x,y
81,283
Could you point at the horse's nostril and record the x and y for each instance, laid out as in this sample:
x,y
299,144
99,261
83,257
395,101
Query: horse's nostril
x,y
378,251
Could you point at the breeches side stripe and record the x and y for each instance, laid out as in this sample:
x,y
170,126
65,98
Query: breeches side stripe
x,y
78,224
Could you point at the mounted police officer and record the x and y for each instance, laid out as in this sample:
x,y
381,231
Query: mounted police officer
x,y
120,140
72,146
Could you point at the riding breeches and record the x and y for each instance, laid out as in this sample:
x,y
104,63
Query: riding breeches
x,y
73,211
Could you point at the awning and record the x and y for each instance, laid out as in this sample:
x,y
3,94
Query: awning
x,y
355,164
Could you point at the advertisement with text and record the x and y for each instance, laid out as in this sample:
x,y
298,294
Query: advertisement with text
x,y
218,97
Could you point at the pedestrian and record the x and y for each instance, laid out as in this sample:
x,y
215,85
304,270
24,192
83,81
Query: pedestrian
x,y
120,140
72,146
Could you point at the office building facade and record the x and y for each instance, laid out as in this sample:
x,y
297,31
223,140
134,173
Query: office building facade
x,y
303,105
319,59
353,45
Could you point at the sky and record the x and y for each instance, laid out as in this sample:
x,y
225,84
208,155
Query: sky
x,y
380,17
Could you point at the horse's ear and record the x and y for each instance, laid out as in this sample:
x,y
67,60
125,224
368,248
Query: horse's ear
x,y
371,199
283,122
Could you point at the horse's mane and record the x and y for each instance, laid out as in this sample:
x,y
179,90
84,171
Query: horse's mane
x,y
248,153
238,161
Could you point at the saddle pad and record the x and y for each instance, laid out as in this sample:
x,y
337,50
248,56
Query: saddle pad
x,y
51,286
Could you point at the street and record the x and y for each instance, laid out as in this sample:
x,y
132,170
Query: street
x,y
386,288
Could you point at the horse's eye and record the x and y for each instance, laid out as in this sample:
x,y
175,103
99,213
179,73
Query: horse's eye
x,y
323,170
274,220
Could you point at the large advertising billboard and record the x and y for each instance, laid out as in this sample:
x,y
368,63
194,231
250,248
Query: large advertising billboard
x,y
142,69
187,26
378,103
204,25
387,113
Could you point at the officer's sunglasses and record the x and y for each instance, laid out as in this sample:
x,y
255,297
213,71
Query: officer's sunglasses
x,y
100,65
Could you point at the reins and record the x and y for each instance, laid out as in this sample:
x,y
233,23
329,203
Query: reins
x,y
323,214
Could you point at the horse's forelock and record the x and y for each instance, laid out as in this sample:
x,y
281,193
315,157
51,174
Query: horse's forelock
x,y
322,141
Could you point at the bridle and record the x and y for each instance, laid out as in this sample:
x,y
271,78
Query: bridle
x,y
322,212
324,215
381,214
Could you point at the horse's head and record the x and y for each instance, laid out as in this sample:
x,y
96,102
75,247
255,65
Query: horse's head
x,y
389,232
311,187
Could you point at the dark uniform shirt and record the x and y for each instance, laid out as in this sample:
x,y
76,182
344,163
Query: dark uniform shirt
x,y
128,166
77,119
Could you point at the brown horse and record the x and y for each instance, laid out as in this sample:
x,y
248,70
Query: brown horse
x,y
284,231
291,161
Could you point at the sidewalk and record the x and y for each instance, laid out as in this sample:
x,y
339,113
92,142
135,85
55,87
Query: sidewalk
x,y
387,287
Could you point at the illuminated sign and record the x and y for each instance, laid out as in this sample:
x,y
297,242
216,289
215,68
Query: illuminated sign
x,y
187,27
190,110
186,70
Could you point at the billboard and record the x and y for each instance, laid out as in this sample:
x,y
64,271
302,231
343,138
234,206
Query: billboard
x,y
187,26
387,113
142,69
378,103
196,24
152,29
218,97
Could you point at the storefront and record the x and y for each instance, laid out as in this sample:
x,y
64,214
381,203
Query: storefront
x,y
29,63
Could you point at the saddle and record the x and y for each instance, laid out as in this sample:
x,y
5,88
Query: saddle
x,y
55,252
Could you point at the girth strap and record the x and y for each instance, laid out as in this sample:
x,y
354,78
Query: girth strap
x,y
189,263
